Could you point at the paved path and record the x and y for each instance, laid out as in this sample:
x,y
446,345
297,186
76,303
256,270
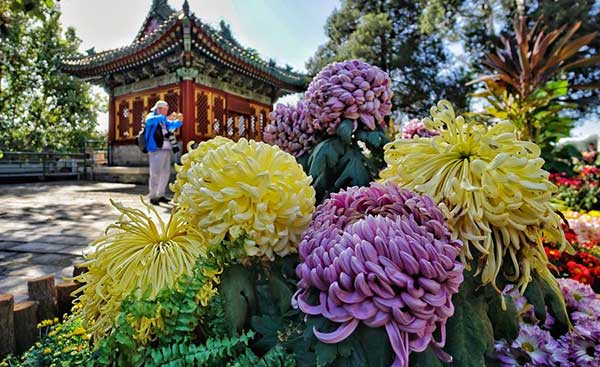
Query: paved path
x,y
45,228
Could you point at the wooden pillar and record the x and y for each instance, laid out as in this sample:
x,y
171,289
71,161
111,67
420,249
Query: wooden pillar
x,y
187,108
7,325
26,332
43,290
111,125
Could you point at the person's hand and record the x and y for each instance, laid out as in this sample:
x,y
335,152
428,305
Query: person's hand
x,y
180,116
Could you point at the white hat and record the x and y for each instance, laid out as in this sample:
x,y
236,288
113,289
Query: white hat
x,y
158,104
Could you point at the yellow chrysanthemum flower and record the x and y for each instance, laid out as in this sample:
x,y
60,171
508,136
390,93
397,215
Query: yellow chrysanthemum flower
x,y
135,256
250,188
192,156
491,186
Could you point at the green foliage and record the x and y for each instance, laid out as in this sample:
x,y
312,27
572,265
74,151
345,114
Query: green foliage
x,y
477,24
61,344
560,160
383,33
43,108
213,352
237,292
181,313
13,11
350,158
540,117
276,357
470,333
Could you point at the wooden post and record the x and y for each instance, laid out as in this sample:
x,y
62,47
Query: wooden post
x,y
64,299
42,289
78,269
111,125
7,325
26,332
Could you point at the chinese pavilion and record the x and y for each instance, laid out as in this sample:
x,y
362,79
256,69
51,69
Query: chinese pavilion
x,y
221,87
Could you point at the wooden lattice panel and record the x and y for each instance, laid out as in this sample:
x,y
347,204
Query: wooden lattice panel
x,y
138,115
219,115
203,113
124,128
172,98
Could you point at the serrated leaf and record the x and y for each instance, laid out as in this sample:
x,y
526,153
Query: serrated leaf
x,y
535,296
237,290
325,156
373,139
424,358
326,354
506,322
556,306
280,292
344,131
378,350
355,172
469,333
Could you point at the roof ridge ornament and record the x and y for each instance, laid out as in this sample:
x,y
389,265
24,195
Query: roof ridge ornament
x,y
186,8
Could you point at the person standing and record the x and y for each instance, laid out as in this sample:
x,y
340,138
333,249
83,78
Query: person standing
x,y
156,131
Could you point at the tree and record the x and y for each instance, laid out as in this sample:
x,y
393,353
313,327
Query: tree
x,y
384,33
478,25
41,107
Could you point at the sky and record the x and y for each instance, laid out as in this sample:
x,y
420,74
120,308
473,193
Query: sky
x,y
289,31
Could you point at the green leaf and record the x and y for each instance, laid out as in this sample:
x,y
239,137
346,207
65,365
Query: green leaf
x,y
237,290
344,131
469,333
535,296
556,306
373,139
326,353
425,358
506,322
378,350
280,292
325,156
355,171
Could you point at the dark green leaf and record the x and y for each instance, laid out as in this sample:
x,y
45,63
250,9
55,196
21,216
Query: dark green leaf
x,y
506,322
237,290
469,333
344,131
280,292
535,296
425,358
354,172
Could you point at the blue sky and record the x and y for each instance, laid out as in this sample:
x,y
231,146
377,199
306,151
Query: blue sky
x,y
288,31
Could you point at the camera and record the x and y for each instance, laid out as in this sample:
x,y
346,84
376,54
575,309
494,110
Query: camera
x,y
173,140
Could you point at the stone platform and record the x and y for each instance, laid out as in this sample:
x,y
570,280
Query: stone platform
x,y
45,228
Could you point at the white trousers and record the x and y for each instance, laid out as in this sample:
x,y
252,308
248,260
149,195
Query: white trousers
x,y
160,170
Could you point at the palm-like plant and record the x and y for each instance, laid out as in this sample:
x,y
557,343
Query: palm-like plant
x,y
523,87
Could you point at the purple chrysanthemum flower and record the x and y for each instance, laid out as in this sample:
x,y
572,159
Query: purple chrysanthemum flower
x,y
577,295
590,312
415,128
383,256
585,350
351,89
536,344
291,129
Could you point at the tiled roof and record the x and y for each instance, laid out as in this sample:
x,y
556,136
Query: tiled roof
x,y
206,40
